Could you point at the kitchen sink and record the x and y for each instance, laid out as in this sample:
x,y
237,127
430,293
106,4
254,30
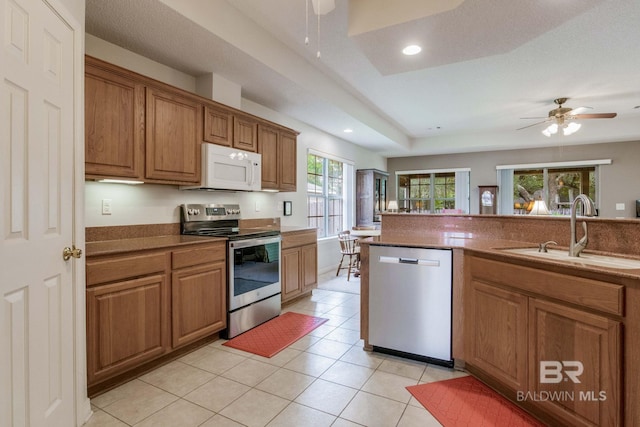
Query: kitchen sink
x,y
584,259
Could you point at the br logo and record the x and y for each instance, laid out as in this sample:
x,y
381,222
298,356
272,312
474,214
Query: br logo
x,y
554,371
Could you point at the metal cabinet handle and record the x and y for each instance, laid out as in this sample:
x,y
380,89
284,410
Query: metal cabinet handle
x,y
68,252
411,261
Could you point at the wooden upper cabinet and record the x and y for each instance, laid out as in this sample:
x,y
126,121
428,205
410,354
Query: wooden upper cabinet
x,y
173,137
268,148
139,128
278,148
114,124
288,161
218,125
245,133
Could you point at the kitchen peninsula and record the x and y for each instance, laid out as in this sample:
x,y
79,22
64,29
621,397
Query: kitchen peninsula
x,y
511,312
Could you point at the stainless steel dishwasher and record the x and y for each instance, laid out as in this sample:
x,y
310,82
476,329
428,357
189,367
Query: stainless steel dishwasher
x,y
410,302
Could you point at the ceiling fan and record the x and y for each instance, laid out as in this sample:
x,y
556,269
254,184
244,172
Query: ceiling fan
x,y
560,118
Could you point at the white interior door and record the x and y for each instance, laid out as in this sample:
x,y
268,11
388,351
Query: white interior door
x,y
36,215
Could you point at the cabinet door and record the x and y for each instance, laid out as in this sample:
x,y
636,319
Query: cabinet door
x,y
497,333
245,133
364,197
114,125
218,126
562,336
309,262
199,298
127,324
268,148
287,161
291,271
174,135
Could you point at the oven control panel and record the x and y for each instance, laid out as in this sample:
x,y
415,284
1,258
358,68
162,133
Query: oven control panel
x,y
209,212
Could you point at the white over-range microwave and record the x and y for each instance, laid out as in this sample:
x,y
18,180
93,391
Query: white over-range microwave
x,y
225,168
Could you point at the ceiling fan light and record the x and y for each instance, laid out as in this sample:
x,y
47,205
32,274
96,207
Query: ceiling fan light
x,y
553,128
571,128
546,132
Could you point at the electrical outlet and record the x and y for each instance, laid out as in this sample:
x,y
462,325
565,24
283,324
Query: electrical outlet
x,y
620,206
257,206
106,206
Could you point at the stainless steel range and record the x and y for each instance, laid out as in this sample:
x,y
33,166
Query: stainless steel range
x,y
253,263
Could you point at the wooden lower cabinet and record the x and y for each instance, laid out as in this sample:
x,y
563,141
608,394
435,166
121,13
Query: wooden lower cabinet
x,y
299,264
562,335
127,324
499,346
198,301
144,305
561,361
309,274
291,272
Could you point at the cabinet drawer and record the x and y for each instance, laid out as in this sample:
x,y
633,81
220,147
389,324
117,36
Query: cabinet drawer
x,y
103,270
594,294
200,255
292,240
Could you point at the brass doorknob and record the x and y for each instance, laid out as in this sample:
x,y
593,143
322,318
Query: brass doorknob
x,y
68,252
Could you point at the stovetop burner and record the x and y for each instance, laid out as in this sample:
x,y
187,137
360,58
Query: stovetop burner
x,y
217,221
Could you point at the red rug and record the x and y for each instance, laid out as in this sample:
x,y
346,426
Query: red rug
x,y
467,402
275,335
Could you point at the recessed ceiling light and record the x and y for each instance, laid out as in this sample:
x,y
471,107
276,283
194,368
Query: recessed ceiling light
x,y
348,130
412,49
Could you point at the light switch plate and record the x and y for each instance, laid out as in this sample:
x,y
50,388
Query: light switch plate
x,y
620,206
106,206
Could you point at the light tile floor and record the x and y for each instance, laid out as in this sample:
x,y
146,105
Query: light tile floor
x,y
323,379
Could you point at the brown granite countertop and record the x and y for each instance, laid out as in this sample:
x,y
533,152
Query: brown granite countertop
x,y
493,247
106,247
293,229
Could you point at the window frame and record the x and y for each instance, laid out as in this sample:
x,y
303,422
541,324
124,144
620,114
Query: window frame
x,y
460,199
328,198
506,178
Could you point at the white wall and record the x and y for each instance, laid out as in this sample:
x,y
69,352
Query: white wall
x,y
151,204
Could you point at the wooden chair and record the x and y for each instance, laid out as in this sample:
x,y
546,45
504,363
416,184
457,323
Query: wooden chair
x,y
348,247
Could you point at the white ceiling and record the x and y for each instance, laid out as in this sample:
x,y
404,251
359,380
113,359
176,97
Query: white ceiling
x,y
484,65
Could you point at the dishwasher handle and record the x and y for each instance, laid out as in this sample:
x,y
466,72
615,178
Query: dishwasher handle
x,y
411,261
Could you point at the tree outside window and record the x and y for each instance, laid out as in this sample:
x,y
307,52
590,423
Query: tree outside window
x,y
558,187
428,192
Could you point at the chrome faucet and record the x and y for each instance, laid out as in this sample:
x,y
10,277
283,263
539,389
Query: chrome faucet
x,y
589,209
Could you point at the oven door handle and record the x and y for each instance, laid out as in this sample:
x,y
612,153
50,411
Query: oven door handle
x,y
245,243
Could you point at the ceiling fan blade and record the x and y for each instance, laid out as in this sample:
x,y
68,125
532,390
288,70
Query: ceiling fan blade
x,y
529,118
578,110
595,116
535,124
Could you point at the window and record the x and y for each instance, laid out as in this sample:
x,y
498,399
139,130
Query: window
x,y
327,190
557,184
557,187
433,191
